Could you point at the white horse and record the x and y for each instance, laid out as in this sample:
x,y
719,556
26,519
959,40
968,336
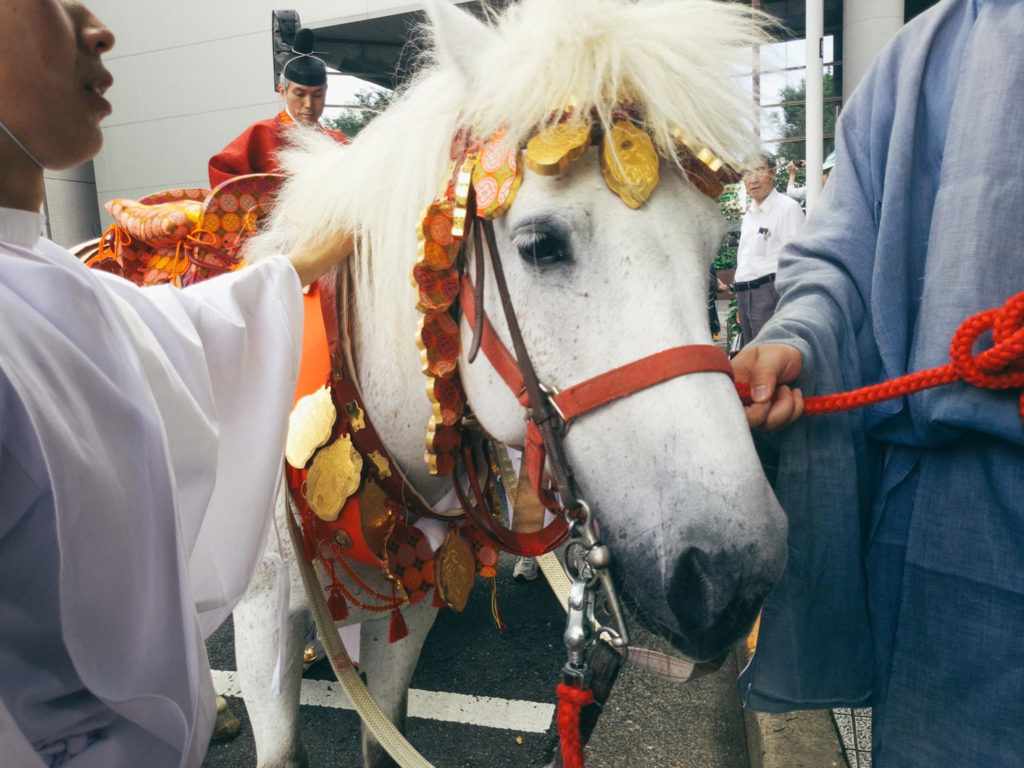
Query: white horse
x,y
670,471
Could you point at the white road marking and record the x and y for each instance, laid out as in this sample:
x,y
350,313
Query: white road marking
x,y
484,711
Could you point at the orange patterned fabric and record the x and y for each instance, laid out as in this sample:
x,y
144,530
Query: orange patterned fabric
x,y
160,220
183,236
496,177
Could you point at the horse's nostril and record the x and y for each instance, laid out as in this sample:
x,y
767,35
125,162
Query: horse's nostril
x,y
691,589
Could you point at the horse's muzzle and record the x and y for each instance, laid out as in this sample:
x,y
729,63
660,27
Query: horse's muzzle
x,y
713,604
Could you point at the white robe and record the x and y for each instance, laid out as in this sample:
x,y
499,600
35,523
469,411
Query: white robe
x,y
141,441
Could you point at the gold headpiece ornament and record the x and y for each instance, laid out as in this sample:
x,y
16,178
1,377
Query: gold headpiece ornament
x,y
492,171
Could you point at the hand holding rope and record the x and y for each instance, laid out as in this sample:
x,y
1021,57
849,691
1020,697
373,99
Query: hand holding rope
x,y
1000,367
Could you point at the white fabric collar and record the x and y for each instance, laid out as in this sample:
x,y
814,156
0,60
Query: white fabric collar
x,y
766,204
20,227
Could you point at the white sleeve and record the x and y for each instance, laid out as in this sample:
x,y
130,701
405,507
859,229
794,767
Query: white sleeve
x,y
235,341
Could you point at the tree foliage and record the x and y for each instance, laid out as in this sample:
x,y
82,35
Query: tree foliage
x,y
369,103
793,121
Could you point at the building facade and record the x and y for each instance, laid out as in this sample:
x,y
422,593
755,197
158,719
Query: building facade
x,y
190,75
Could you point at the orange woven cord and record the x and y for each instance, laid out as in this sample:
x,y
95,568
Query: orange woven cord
x,y
571,701
1000,367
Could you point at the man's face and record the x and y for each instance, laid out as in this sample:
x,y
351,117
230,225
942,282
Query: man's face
x,y
305,103
759,180
52,80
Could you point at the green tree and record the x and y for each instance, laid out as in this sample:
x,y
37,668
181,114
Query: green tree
x,y
794,118
369,103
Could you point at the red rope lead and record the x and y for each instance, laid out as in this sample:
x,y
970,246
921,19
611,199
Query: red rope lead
x,y
571,701
1000,367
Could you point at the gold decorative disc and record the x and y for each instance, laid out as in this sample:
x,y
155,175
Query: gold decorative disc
x,y
309,427
552,150
333,477
629,163
375,518
455,570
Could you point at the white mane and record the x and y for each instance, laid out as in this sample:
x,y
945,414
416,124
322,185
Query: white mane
x,y
680,60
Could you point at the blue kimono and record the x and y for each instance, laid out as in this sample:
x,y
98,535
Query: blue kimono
x,y
905,584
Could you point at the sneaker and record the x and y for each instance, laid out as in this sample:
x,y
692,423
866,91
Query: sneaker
x,y
526,569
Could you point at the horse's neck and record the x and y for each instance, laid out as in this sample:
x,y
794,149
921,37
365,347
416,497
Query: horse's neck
x,y
394,393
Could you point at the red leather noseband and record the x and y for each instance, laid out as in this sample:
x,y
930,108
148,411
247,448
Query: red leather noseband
x,y
592,393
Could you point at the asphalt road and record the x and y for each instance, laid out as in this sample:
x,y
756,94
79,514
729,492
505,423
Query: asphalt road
x,y
647,723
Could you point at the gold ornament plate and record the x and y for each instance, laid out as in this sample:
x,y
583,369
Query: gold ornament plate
x,y
629,163
554,149
333,477
309,427
455,570
375,518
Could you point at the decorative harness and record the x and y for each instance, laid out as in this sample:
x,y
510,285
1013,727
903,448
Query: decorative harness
x,y
330,435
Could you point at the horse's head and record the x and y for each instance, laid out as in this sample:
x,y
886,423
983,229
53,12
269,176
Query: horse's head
x,y
669,471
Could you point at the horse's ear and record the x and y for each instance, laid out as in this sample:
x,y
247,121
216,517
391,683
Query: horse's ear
x,y
460,37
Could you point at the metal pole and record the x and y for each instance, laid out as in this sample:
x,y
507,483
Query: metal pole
x,y
815,99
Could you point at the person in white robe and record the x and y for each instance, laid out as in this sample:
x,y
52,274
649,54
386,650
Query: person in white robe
x,y
141,442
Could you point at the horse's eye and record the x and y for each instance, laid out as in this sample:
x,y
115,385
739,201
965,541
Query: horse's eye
x,y
542,248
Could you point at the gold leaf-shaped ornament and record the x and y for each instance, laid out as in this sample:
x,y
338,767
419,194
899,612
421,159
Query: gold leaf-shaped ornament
x,y
629,163
455,570
309,427
334,476
552,150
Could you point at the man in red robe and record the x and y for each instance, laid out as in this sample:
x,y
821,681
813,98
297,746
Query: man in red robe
x,y
303,86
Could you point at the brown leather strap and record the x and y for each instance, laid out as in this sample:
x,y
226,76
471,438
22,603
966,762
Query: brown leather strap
x,y
333,289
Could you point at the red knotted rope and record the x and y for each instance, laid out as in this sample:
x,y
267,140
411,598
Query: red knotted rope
x,y
571,701
999,367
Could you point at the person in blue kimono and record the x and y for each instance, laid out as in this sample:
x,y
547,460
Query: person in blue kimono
x,y
905,584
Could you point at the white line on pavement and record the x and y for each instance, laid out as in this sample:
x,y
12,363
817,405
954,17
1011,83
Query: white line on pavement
x,y
484,711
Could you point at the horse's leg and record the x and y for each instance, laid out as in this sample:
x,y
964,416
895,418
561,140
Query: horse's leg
x,y
388,668
257,622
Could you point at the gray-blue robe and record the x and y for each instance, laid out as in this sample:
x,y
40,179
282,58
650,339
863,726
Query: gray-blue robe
x,y
905,583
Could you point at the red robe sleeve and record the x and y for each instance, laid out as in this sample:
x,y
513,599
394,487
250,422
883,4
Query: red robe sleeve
x,y
254,151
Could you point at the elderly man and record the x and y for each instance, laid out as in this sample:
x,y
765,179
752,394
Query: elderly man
x,y
771,221
303,87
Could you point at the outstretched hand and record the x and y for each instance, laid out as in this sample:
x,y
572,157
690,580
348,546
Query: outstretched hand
x,y
769,369
316,257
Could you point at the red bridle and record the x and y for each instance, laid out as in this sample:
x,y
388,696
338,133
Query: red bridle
x,y
550,412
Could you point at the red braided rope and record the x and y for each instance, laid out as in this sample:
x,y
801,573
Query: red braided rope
x,y
1000,367
571,701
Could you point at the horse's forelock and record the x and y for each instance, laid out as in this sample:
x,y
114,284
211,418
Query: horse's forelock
x,y
680,60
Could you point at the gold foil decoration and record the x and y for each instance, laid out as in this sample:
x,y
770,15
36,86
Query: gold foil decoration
x,y
334,476
309,427
702,153
375,518
383,468
455,570
552,150
356,420
629,163
462,183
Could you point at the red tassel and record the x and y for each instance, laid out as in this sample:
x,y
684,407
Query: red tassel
x,y
438,602
398,629
337,605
